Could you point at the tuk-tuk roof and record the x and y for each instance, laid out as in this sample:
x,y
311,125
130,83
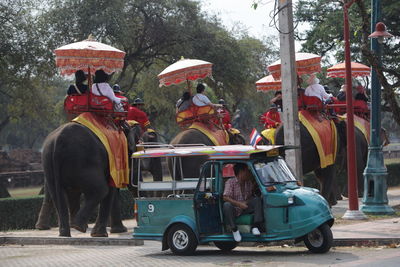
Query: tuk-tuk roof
x,y
212,152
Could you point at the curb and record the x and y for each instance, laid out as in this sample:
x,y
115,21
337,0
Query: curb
x,y
105,241
76,241
365,242
339,242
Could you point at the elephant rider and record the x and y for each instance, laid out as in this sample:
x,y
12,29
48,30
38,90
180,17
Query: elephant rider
x,y
118,93
200,99
101,87
271,118
184,102
135,113
224,113
277,100
240,198
79,87
317,90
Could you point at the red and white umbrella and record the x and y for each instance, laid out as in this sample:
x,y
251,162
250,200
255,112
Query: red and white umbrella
x,y
268,83
185,70
88,56
306,63
357,70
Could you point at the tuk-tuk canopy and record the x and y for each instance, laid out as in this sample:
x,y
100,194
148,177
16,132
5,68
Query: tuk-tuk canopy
x,y
212,152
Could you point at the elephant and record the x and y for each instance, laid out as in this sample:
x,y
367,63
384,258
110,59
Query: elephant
x,y
191,165
75,162
73,196
326,176
361,145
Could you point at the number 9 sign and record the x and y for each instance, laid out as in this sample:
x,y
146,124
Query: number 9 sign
x,y
150,208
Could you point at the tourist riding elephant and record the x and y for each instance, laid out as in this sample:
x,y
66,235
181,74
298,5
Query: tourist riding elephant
x,y
311,160
74,162
191,165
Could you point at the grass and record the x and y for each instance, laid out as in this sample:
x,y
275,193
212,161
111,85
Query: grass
x,y
25,191
392,161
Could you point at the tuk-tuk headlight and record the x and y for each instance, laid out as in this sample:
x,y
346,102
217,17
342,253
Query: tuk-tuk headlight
x,y
290,200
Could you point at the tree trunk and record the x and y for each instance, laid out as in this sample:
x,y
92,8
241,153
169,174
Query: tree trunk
x,y
4,123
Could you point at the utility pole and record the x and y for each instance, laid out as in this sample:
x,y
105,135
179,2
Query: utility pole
x,y
289,86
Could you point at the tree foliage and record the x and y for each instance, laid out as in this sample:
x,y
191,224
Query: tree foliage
x,y
325,37
153,34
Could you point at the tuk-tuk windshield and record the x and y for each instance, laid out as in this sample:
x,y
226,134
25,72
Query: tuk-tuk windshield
x,y
275,171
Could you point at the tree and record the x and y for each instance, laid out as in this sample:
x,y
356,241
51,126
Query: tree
x,y
325,36
26,95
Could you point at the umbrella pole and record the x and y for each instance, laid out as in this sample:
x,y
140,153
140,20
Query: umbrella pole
x,y
89,89
189,87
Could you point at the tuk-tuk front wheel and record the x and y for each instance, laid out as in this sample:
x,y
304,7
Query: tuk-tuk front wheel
x,y
182,240
225,245
320,240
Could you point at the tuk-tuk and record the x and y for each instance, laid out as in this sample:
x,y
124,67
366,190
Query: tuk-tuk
x,y
192,213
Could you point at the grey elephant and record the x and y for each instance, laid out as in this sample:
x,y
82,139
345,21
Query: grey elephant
x,y
74,162
74,194
191,165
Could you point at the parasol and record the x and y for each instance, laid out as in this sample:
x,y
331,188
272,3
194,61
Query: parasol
x,y
357,70
185,70
268,83
306,63
89,56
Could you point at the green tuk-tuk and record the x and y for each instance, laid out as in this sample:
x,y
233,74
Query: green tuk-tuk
x,y
192,213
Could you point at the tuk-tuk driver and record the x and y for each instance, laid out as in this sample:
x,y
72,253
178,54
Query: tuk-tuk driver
x,y
239,196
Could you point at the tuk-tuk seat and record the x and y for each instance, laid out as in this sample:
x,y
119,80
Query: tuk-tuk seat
x,y
245,219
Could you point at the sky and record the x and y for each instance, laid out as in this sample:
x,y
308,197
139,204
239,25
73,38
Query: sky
x,y
256,21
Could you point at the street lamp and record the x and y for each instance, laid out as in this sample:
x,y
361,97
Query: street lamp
x,y
375,174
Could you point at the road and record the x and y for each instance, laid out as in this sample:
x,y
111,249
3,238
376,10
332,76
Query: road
x,y
151,255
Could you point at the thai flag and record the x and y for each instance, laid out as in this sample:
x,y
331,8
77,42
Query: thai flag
x,y
255,137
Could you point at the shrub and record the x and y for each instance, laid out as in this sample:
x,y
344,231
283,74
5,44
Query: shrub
x,y
22,213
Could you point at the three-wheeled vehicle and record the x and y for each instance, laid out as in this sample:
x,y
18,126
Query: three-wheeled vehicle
x,y
192,214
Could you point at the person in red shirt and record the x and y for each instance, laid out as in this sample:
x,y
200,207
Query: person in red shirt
x,y
135,113
226,117
271,118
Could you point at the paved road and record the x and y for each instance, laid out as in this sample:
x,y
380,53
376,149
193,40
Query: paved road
x,y
151,255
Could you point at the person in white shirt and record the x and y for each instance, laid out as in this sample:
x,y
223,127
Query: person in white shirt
x,y
101,87
200,99
315,89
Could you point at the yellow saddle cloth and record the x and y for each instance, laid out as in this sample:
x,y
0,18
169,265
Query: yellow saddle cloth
x,y
115,143
217,136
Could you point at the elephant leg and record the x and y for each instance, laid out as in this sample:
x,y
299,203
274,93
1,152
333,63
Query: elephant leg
x,y
46,210
100,227
61,205
156,169
115,217
91,199
326,176
74,202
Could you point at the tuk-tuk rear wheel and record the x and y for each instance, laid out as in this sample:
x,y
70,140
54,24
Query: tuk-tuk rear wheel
x,y
225,245
181,240
320,240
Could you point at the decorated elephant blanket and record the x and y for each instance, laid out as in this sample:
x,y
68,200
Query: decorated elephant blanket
x,y
324,134
269,134
361,124
115,143
217,136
